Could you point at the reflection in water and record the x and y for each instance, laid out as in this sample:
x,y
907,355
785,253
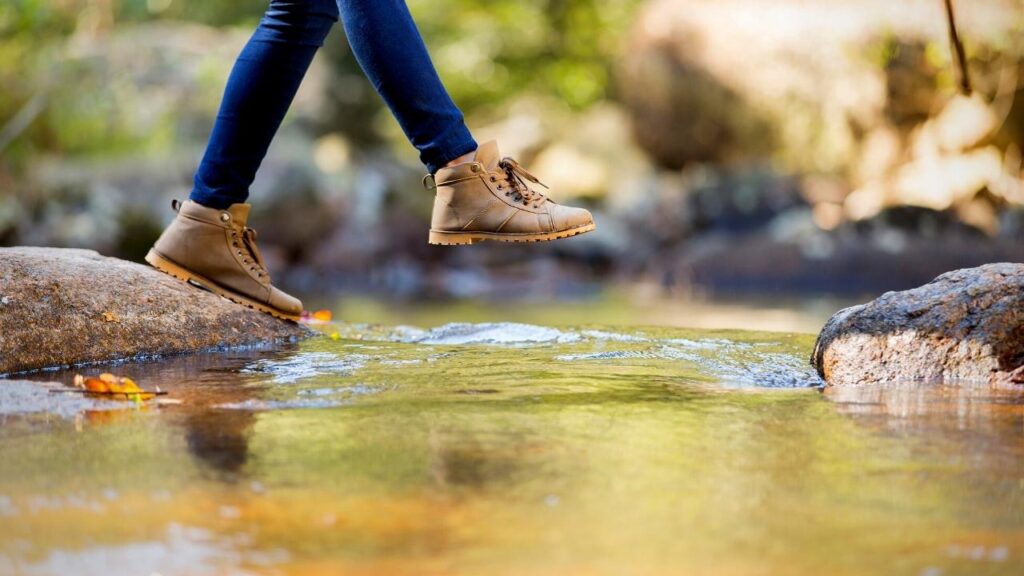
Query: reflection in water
x,y
947,409
216,437
220,438
519,450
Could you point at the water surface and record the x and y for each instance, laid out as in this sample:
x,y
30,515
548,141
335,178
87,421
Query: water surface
x,y
516,449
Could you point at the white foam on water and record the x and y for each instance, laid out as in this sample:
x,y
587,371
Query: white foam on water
x,y
258,405
614,336
605,355
307,365
490,333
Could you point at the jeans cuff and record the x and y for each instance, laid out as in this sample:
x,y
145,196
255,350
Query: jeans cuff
x,y
213,200
450,147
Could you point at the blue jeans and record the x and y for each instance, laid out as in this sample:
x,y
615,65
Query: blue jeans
x,y
268,72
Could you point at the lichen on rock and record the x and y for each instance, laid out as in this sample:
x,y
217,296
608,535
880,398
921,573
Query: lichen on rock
x,y
964,326
60,307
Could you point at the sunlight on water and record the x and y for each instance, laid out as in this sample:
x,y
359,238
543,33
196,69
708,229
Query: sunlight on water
x,y
508,448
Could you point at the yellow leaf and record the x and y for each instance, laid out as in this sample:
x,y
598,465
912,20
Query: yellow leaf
x,y
106,383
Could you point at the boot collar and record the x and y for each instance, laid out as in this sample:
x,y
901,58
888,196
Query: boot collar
x,y
486,160
236,215
488,155
239,213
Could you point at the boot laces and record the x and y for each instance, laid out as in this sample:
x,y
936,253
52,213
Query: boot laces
x,y
517,178
245,246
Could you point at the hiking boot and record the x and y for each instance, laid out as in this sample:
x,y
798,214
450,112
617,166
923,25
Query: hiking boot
x,y
214,249
490,199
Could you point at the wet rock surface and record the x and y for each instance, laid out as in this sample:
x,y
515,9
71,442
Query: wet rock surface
x,y
964,326
60,307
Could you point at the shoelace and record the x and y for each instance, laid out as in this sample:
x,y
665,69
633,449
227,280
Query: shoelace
x,y
250,255
517,176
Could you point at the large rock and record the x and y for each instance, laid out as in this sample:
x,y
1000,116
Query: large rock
x,y
964,326
61,307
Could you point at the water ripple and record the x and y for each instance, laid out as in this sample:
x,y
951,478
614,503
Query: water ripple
x,y
308,365
488,333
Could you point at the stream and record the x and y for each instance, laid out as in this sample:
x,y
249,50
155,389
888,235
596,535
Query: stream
x,y
511,448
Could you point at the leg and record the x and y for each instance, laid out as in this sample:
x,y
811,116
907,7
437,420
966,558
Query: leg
x,y
391,52
482,197
209,243
259,91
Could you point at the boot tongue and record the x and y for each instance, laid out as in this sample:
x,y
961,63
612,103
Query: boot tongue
x,y
239,213
488,155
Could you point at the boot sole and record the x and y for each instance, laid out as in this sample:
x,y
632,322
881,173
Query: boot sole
x,y
443,238
166,266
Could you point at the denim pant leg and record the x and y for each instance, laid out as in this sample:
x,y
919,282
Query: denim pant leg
x,y
270,68
391,52
260,89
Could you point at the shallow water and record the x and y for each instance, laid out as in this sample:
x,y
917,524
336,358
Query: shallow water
x,y
515,449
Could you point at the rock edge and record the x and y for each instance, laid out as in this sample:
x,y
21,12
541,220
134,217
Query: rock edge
x,y
62,307
964,326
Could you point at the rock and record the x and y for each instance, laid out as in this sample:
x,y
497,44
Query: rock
x,y
964,326
62,307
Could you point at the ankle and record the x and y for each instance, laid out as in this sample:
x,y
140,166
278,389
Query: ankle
x,y
467,157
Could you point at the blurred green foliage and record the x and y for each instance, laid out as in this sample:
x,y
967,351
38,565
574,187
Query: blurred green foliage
x,y
488,53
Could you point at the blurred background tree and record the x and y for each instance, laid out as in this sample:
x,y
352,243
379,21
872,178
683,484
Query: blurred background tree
x,y
725,145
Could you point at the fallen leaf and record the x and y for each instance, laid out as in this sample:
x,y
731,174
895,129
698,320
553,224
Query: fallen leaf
x,y
117,387
318,317
109,317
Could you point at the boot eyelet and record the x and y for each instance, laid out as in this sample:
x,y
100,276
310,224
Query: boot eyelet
x,y
475,168
224,216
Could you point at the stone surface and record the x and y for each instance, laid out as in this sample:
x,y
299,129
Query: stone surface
x,y
964,326
61,307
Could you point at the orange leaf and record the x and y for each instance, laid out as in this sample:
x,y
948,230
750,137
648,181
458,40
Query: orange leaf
x,y
124,388
96,385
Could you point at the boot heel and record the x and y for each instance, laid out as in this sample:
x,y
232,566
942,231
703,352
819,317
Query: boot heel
x,y
450,238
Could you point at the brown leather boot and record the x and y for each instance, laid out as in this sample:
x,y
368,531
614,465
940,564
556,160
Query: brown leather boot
x,y
490,199
215,250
